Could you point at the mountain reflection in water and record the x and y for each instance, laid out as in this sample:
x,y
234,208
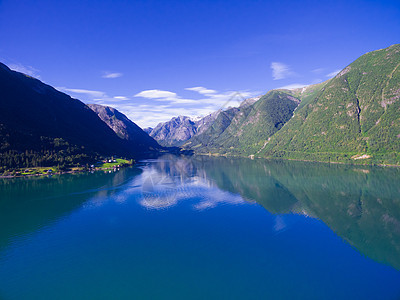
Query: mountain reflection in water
x,y
203,227
360,204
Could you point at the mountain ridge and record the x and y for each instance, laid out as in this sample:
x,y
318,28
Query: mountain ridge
x,y
350,118
178,130
353,118
125,128
41,126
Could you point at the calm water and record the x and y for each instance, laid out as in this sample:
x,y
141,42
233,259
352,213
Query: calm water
x,y
203,228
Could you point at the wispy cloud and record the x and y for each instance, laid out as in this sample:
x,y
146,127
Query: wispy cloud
x,y
156,94
333,74
150,107
212,97
90,93
300,85
111,75
28,70
280,70
121,98
174,105
151,115
293,86
201,90
318,70
164,96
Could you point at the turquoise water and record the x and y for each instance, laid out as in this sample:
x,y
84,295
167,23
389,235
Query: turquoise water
x,y
203,228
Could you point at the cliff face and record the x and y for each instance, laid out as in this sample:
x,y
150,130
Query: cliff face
x,y
180,129
125,128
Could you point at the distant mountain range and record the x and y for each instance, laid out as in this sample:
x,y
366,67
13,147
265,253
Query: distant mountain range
x,y
180,129
42,126
351,118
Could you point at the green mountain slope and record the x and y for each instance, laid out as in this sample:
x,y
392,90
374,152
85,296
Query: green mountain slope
x,y
243,130
307,93
354,118
207,140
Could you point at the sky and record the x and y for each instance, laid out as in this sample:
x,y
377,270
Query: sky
x,y
157,59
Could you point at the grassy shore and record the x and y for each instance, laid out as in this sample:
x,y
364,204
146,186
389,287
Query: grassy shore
x,y
106,165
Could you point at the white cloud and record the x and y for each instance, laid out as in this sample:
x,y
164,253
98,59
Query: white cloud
x,y
217,100
156,94
333,74
164,96
318,71
228,99
201,90
111,75
91,96
293,86
146,115
173,105
316,80
159,105
280,70
91,93
28,70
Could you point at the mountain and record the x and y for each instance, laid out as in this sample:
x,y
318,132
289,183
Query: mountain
x,y
249,101
206,139
244,129
125,128
353,118
307,93
42,126
180,129
174,132
148,130
204,123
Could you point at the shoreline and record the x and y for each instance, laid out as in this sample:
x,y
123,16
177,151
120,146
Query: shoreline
x,y
109,166
303,160
59,173
78,171
51,174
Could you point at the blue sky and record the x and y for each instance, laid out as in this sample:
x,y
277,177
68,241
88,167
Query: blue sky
x,y
156,59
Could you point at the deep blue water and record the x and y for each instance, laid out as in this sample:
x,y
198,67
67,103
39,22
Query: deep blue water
x,y
203,228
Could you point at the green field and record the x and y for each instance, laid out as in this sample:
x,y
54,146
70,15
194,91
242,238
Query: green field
x,y
114,164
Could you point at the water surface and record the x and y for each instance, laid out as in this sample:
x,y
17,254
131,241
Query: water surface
x,y
203,228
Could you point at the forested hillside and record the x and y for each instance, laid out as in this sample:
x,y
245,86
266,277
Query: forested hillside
x,y
355,117
40,126
243,130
